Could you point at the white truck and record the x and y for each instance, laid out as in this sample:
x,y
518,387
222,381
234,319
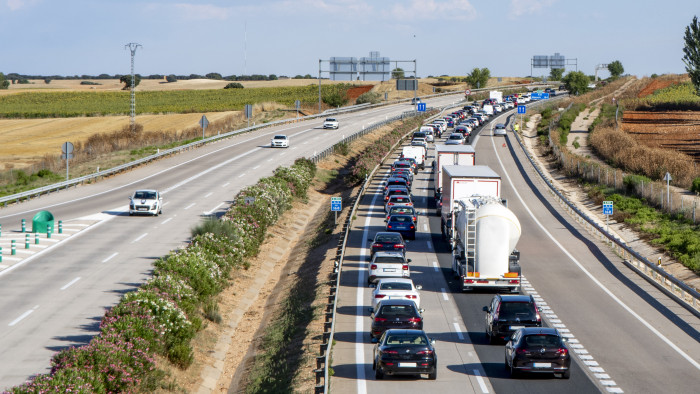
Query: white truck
x,y
495,94
415,152
488,109
448,155
460,182
483,249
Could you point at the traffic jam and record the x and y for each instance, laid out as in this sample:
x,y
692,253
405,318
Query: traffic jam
x,y
482,234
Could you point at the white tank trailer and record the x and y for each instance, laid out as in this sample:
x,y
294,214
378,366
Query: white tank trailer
x,y
486,233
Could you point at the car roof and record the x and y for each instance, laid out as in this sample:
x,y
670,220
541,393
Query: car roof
x,y
281,135
146,190
388,254
394,280
516,297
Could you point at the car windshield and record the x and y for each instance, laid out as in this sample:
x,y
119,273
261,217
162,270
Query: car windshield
x,y
280,137
330,120
511,310
145,195
388,238
401,219
406,339
390,311
542,340
395,286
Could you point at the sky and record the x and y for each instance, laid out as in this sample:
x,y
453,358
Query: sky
x,y
288,37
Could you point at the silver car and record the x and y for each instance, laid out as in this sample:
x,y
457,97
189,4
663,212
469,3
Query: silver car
x,y
146,202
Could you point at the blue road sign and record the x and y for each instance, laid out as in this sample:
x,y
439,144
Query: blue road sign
x,y
607,207
535,96
336,204
521,109
545,96
421,107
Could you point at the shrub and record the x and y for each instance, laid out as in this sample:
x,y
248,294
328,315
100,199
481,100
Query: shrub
x,y
171,78
696,185
233,85
89,83
342,148
632,181
369,97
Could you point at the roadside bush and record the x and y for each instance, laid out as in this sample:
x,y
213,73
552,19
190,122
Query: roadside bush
x,y
233,85
696,185
632,181
342,148
369,97
89,83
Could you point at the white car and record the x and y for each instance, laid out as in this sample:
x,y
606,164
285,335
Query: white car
x,y
455,139
146,202
500,129
331,123
388,265
521,100
442,123
396,289
279,141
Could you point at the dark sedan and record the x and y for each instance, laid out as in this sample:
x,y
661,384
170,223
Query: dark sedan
x,y
389,242
402,224
405,352
394,314
538,350
507,313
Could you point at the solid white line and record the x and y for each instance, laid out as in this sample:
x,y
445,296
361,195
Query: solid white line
x,y
208,194
458,331
111,256
214,209
436,267
585,271
69,284
189,206
25,314
425,227
479,379
444,294
139,238
166,220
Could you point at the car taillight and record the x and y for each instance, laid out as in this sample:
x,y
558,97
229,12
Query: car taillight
x,y
379,319
373,267
379,295
411,297
537,314
390,203
391,352
521,351
412,227
377,245
425,352
398,246
388,226
405,266
415,219
562,352
415,319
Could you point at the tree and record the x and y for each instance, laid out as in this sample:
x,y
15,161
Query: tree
x,y
616,69
4,83
170,78
397,73
691,51
576,82
214,76
47,80
478,78
272,77
126,80
555,74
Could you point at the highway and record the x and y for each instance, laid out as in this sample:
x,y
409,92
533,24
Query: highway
x,y
626,335
55,297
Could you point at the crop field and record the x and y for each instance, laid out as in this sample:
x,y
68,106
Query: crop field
x,y
46,104
677,130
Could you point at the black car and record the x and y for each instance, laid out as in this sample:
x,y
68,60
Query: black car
x,y
386,241
395,190
507,313
396,181
394,314
407,176
405,352
538,350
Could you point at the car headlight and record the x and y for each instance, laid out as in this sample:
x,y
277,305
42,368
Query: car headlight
x,y
155,205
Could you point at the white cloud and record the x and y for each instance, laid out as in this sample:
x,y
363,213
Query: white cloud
x,y
203,11
525,7
433,9
17,4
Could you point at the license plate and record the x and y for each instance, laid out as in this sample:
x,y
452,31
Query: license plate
x,y
542,365
143,209
408,365
389,269
516,327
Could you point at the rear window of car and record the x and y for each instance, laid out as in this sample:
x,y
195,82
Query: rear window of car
x,y
517,309
542,340
406,210
395,286
395,311
389,259
401,219
455,137
406,339
400,199
388,238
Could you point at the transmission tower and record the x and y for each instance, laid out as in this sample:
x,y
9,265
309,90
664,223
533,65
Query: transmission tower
x,y
132,47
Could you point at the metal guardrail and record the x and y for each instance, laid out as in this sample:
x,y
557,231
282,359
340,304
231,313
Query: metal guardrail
x,y
331,306
683,294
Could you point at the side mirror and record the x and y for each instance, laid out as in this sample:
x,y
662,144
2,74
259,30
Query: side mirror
x,y
375,340
370,239
372,285
130,197
419,287
421,310
409,260
370,310
485,309
432,342
386,220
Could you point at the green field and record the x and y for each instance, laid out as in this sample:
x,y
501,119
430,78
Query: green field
x,y
71,104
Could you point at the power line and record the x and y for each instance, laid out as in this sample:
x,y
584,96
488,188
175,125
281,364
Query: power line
x,y
132,46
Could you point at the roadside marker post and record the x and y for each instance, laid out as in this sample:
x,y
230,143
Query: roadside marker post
x,y
36,238
0,230
60,226
26,241
48,233
24,225
14,248
0,254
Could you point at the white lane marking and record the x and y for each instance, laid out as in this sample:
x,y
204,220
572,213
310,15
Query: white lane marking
x,y
22,316
242,175
111,256
436,267
214,209
256,167
208,194
139,238
458,331
226,184
614,390
585,271
479,379
444,294
602,376
270,159
425,227
71,283
166,220
430,245
189,206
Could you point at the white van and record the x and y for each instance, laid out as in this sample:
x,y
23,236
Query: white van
x,y
417,153
488,108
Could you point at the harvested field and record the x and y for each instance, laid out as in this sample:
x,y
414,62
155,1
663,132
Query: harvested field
x,y
354,93
661,83
676,130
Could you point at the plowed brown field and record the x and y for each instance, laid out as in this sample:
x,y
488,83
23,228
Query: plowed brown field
x,y
354,93
677,130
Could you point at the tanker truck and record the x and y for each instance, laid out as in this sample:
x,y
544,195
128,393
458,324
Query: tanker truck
x,y
483,246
